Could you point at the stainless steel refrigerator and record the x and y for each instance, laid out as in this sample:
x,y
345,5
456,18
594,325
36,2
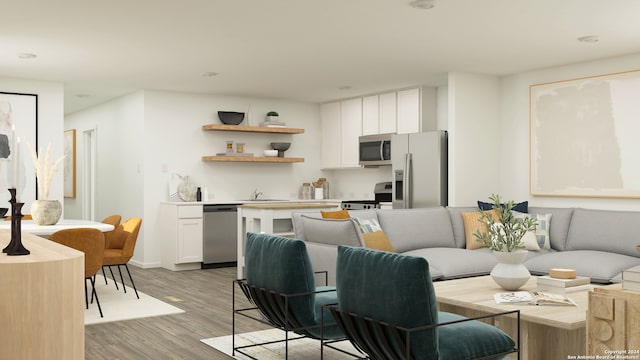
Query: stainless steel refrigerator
x,y
419,164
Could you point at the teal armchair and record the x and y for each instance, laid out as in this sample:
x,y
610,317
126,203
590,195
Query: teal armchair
x,y
387,308
280,287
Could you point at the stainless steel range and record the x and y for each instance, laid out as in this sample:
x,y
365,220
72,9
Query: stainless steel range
x,y
382,195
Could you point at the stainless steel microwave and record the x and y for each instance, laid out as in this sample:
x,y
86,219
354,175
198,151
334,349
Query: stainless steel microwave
x,y
375,150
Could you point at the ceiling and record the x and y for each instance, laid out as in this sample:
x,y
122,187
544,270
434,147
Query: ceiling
x,y
297,49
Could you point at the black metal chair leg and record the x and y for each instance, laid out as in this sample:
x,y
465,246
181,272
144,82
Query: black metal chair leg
x,y
132,283
94,293
114,278
122,279
104,276
86,297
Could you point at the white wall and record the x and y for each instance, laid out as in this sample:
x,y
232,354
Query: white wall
x,y
514,153
50,124
474,137
118,129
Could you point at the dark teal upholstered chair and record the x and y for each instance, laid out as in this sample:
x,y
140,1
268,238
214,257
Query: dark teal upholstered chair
x,y
388,309
280,285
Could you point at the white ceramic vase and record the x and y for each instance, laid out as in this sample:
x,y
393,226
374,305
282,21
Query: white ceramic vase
x,y
46,212
510,273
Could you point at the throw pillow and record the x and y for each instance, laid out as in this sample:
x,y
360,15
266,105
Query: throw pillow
x,y
522,207
373,236
529,239
542,228
341,214
472,223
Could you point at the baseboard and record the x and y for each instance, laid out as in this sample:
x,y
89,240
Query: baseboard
x,y
143,265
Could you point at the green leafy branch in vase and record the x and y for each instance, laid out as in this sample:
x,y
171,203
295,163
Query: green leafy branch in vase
x,y
505,231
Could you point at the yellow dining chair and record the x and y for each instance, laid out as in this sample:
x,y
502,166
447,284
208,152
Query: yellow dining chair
x,y
91,243
115,221
123,243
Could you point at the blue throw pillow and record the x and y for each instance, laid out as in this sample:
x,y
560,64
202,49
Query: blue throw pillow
x,y
522,207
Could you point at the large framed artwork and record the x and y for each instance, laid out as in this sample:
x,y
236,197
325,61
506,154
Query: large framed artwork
x,y
70,163
584,137
18,126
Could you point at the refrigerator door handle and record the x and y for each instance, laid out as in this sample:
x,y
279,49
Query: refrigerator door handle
x,y
406,182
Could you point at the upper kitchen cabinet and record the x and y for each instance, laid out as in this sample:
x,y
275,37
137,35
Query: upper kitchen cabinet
x,y
379,114
351,125
341,128
416,110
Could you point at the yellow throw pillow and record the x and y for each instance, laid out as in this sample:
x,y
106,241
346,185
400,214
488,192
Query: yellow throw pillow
x,y
377,240
341,214
471,221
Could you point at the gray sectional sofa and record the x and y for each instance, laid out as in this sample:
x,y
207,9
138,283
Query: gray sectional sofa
x,y
597,243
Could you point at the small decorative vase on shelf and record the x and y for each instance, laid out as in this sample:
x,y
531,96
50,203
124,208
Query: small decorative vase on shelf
x,y
46,212
510,273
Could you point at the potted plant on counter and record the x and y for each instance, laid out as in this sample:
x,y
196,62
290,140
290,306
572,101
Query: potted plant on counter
x,y
503,235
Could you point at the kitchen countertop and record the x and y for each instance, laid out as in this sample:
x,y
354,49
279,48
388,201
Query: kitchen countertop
x,y
252,202
289,205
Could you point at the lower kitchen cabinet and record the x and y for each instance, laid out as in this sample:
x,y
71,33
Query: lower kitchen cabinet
x,y
181,236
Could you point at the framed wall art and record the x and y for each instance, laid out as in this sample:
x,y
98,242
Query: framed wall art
x,y
70,163
584,137
18,127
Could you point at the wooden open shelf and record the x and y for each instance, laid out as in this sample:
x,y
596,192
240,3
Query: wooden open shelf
x,y
260,129
264,159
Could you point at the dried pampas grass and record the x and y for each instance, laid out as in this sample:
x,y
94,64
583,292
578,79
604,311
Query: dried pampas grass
x,y
44,169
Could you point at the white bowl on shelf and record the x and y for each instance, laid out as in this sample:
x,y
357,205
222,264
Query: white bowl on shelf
x,y
271,153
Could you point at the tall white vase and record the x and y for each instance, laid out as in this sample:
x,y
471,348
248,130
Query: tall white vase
x,y
510,273
46,212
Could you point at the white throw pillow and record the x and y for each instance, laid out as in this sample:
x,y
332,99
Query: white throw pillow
x,y
542,228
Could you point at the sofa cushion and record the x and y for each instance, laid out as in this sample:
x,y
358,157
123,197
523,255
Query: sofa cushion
x,y
558,226
457,263
410,229
374,237
457,225
340,214
522,207
472,224
604,230
600,266
298,227
332,231
541,232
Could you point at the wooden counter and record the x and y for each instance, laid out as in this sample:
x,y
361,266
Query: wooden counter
x,y
41,301
272,218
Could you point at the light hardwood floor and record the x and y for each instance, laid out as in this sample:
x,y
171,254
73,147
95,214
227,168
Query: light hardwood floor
x,y
204,295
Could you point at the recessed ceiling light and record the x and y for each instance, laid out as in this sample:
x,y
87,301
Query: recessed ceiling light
x,y
345,87
209,74
423,4
589,39
27,56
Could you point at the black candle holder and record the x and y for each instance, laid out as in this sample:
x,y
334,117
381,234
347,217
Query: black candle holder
x,y
15,246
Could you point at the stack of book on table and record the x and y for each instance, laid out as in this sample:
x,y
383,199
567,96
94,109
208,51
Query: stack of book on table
x,y
631,279
556,285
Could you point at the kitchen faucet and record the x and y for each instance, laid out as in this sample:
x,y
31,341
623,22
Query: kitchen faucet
x,y
256,194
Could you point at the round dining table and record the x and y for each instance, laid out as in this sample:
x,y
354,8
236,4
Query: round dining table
x,y
63,224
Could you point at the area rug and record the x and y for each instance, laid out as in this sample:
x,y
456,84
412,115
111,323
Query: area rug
x,y
301,349
118,305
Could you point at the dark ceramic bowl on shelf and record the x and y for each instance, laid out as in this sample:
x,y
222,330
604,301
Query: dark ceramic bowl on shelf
x,y
281,147
231,117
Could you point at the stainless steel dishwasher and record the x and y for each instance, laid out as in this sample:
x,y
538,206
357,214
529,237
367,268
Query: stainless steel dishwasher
x,y
220,236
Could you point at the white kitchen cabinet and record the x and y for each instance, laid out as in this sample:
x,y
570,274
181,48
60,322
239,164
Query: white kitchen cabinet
x,y
182,236
408,111
351,125
416,110
341,128
371,115
388,109
331,145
